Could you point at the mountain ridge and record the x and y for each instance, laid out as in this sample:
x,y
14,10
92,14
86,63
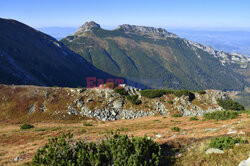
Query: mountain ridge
x,y
28,56
170,57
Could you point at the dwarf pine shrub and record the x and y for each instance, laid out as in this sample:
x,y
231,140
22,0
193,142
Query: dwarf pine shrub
x,y
176,129
224,142
153,93
193,118
114,150
134,99
229,104
221,115
121,91
26,126
177,115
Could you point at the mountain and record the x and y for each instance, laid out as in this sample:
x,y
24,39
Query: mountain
x,y
158,58
28,56
224,40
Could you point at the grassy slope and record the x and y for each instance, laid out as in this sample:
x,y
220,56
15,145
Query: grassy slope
x,y
170,60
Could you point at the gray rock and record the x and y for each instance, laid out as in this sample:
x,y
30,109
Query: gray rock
x,y
158,136
173,136
245,162
118,104
214,150
80,90
32,108
231,131
241,133
211,129
18,158
72,111
46,95
89,100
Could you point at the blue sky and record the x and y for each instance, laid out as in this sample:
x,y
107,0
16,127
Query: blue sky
x,y
199,14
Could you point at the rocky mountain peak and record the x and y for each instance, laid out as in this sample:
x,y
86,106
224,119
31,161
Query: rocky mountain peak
x,y
88,26
155,32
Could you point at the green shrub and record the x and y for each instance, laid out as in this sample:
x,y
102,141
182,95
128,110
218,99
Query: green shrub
x,y
87,124
153,93
26,126
221,115
41,129
115,150
83,131
177,115
121,91
134,99
193,118
229,104
170,102
224,142
202,92
176,129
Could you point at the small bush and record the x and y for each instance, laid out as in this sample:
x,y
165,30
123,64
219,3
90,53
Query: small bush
x,y
83,131
153,93
224,142
229,104
202,92
176,129
170,102
87,124
41,129
26,126
121,91
221,115
193,118
115,150
134,99
177,115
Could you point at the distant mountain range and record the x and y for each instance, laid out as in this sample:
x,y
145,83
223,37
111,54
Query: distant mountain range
x,y
228,41
148,54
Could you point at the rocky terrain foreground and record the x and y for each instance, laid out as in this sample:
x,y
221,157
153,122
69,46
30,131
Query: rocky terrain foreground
x,y
90,114
25,103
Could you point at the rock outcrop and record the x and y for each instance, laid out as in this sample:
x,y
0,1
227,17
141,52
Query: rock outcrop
x,y
154,32
103,104
88,26
224,58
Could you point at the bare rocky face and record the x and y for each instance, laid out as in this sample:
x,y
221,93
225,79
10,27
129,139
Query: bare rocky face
x,y
160,32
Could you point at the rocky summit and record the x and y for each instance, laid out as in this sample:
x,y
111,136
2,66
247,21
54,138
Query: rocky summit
x,y
88,26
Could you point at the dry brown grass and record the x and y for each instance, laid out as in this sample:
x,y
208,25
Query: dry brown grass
x,y
15,142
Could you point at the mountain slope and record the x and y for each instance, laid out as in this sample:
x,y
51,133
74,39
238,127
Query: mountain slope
x,y
28,56
154,57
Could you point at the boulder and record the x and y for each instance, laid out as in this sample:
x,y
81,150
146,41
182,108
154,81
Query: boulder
x,y
214,150
245,162
72,111
32,108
